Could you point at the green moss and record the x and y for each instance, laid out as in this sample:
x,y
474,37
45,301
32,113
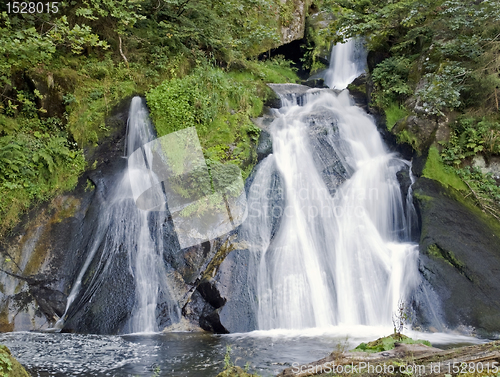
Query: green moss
x,y
434,251
408,137
9,366
393,113
436,170
357,88
388,342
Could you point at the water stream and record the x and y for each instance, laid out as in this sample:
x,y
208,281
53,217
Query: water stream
x,y
341,255
123,228
347,61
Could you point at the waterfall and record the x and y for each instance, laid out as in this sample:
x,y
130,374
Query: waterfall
x,y
347,61
146,260
125,231
328,226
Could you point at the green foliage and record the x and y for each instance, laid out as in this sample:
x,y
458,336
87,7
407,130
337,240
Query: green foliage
x,y
484,188
387,343
380,21
435,169
9,366
22,45
391,81
286,12
98,86
34,168
82,61
444,53
219,104
5,364
469,137
442,89
156,372
227,358
122,14
406,136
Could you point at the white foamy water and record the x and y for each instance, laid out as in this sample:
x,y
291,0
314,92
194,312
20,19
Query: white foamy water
x,y
122,227
347,61
334,260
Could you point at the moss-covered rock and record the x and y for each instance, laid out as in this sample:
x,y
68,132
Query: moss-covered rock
x,y
388,343
459,258
9,366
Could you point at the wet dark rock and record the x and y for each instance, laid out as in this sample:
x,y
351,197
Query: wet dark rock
x,y
459,257
210,321
265,145
238,314
51,236
358,91
105,307
315,83
374,58
210,293
193,309
422,129
50,301
404,180
325,140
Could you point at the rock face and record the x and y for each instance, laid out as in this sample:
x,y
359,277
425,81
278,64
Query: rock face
x,y
293,20
460,259
43,254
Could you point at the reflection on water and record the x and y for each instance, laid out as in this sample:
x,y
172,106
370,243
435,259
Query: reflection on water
x,y
188,354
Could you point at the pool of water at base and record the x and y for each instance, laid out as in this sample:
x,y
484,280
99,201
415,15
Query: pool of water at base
x,y
190,354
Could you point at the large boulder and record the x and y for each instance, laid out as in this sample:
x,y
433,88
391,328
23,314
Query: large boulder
x,y
460,258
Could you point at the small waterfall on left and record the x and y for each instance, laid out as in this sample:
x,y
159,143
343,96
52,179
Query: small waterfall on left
x,y
131,238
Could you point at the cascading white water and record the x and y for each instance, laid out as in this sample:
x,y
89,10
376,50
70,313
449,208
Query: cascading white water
x,y
146,259
323,259
347,61
122,227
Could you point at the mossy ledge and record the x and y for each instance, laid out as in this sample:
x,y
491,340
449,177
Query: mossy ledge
x,y
9,366
420,359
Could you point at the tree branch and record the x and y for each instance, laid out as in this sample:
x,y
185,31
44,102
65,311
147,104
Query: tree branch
x,y
121,51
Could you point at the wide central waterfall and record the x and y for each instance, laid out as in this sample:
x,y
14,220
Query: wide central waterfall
x,y
328,227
